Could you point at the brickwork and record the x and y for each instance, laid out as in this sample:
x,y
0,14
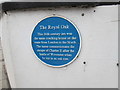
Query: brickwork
x,y
4,83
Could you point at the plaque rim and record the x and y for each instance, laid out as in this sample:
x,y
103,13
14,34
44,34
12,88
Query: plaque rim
x,y
80,47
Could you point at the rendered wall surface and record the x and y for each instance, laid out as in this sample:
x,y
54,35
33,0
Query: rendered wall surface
x,y
99,31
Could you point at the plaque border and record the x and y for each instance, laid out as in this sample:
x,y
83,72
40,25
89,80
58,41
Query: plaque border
x,y
78,53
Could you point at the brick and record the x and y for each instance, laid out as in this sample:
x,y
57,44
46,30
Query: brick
x,y
4,74
0,42
0,84
0,75
1,56
5,83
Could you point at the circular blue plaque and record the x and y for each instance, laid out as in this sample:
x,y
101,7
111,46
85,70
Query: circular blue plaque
x,y
56,41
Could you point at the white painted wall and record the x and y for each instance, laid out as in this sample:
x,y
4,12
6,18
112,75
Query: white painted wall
x,y
1,1
99,31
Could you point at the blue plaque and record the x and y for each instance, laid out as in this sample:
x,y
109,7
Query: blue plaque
x,y
56,41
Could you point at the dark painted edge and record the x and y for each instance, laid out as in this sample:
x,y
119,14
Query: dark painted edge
x,y
8,6
60,88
